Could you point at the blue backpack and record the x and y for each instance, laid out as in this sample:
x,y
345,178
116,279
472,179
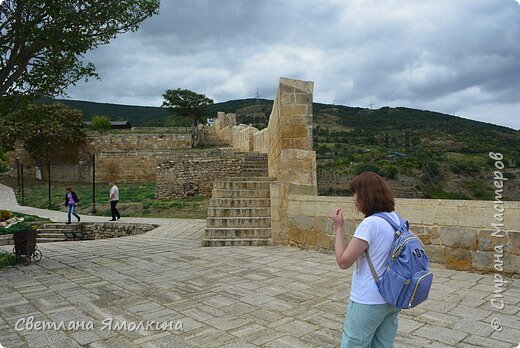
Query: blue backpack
x,y
407,280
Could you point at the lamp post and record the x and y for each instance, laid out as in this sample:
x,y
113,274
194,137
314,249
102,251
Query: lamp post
x,y
93,183
49,180
18,174
92,157
23,196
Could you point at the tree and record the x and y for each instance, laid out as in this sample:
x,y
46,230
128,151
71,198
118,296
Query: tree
x,y
3,161
42,42
100,123
42,129
186,102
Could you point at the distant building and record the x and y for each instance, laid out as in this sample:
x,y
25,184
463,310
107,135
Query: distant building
x,y
120,125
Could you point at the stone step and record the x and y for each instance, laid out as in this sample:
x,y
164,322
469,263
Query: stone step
x,y
236,242
218,193
262,171
50,235
238,222
239,202
56,230
241,185
237,233
246,173
50,240
239,212
72,226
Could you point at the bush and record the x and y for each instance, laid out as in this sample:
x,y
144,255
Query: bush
x,y
7,259
100,123
368,167
20,226
5,215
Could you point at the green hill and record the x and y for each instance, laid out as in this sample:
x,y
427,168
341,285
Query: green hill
x,y
137,115
445,156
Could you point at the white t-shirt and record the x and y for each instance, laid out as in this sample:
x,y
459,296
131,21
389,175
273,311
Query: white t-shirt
x,y
114,193
379,235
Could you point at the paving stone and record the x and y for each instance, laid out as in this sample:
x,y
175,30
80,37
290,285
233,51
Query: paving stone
x,y
508,335
479,341
444,335
237,297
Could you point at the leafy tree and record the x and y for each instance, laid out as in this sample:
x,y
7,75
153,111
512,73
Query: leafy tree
x,y
42,129
100,123
3,161
186,102
42,41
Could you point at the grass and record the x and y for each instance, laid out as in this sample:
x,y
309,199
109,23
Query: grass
x,y
136,200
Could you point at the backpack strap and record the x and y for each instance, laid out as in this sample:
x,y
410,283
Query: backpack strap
x,y
371,266
397,230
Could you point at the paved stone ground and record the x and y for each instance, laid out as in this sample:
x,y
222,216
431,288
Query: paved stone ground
x,y
224,297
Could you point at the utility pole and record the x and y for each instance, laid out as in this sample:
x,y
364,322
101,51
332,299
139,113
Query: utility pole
x,y
407,144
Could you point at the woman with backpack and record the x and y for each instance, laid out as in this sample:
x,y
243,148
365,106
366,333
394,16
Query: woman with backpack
x,y
71,200
370,321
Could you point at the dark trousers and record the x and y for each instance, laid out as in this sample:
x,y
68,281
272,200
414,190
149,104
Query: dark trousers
x,y
113,209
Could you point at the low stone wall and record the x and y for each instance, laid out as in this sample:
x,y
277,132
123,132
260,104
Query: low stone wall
x,y
104,230
171,130
6,239
190,177
456,233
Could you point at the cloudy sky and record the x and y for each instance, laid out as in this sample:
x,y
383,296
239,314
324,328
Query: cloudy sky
x,y
460,57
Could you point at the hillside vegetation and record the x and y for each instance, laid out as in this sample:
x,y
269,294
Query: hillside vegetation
x,y
446,156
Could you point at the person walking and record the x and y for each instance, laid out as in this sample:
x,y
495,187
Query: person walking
x,y
370,321
71,201
114,198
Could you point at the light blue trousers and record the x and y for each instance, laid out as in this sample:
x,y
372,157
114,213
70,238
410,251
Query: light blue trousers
x,y
373,326
71,209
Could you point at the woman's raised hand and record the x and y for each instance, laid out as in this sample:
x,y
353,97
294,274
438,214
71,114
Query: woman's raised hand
x,y
337,217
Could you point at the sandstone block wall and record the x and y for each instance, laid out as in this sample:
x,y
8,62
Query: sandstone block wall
x,y
125,157
290,122
261,141
138,142
456,233
190,177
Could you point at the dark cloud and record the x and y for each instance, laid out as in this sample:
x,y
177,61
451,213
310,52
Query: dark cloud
x,y
458,57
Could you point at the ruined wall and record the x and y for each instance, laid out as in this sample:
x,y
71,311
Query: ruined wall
x,y
190,177
124,157
456,233
137,142
261,141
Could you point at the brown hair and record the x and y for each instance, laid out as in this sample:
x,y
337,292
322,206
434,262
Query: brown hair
x,y
373,193
68,188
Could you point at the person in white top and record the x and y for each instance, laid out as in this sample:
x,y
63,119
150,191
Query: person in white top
x,y
370,321
114,198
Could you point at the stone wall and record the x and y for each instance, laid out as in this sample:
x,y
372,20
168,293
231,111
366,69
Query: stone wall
x,y
190,177
456,233
116,142
124,157
104,230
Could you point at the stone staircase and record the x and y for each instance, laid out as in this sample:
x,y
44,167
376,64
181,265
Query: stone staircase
x,y
239,212
255,165
54,232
